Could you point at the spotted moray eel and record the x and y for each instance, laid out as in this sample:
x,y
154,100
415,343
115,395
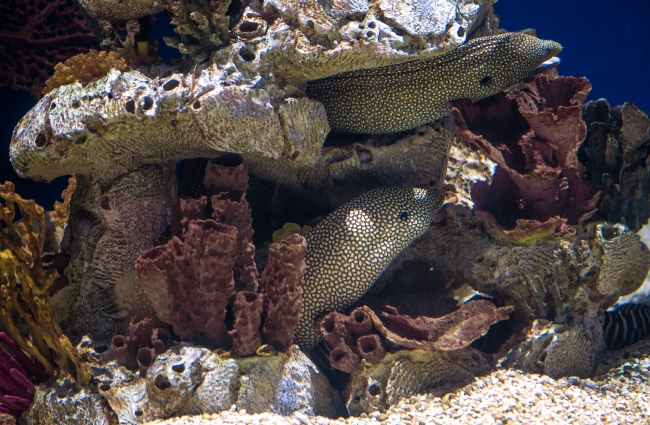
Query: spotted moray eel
x,y
403,96
351,247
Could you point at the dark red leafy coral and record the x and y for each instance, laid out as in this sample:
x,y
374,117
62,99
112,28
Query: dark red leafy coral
x,y
533,135
443,327
19,375
34,36
140,348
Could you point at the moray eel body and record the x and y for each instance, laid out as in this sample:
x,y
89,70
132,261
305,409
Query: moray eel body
x,y
404,96
351,247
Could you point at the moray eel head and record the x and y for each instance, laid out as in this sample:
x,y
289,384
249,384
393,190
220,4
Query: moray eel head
x,y
492,64
351,247
404,96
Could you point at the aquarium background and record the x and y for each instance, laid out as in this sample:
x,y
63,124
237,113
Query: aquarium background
x,y
606,41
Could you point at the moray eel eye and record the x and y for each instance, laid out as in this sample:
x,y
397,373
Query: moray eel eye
x,y
404,216
486,81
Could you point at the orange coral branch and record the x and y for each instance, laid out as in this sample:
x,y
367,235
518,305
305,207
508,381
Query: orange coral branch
x,y
85,67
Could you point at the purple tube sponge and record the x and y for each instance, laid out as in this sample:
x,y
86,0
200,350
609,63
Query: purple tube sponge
x,y
19,375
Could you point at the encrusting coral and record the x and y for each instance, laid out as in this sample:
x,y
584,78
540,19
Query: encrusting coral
x,y
208,267
24,285
18,376
84,68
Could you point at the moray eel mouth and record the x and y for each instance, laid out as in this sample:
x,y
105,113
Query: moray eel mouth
x,y
551,60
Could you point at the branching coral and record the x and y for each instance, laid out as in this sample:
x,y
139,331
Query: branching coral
x,y
84,68
24,285
533,135
18,376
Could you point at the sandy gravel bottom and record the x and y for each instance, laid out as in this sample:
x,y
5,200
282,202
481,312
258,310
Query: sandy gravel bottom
x,y
619,395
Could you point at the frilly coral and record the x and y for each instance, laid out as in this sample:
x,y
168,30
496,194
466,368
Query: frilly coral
x,y
440,326
84,68
537,191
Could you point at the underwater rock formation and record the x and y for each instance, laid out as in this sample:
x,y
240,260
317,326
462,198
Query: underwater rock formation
x,y
568,281
110,226
190,380
537,188
616,157
375,387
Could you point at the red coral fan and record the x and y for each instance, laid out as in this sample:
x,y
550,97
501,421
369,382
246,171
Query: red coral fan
x,y
84,67
34,36
208,269
433,324
18,376
140,348
533,135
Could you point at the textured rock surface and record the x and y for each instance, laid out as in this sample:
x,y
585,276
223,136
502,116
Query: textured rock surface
x,y
62,403
109,226
617,159
191,380
114,10
126,120
375,387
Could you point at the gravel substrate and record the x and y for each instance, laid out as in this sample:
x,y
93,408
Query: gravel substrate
x,y
619,395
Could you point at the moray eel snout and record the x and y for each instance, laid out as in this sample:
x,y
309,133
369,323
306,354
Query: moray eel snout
x,y
351,247
403,96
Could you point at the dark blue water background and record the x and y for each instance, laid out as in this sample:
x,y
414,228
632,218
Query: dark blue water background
x,y
606,41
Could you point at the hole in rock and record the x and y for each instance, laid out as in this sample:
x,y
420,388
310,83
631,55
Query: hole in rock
x,y
171,85
130,106
161,382
178,368
374,390
40,140
147,103
247,54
